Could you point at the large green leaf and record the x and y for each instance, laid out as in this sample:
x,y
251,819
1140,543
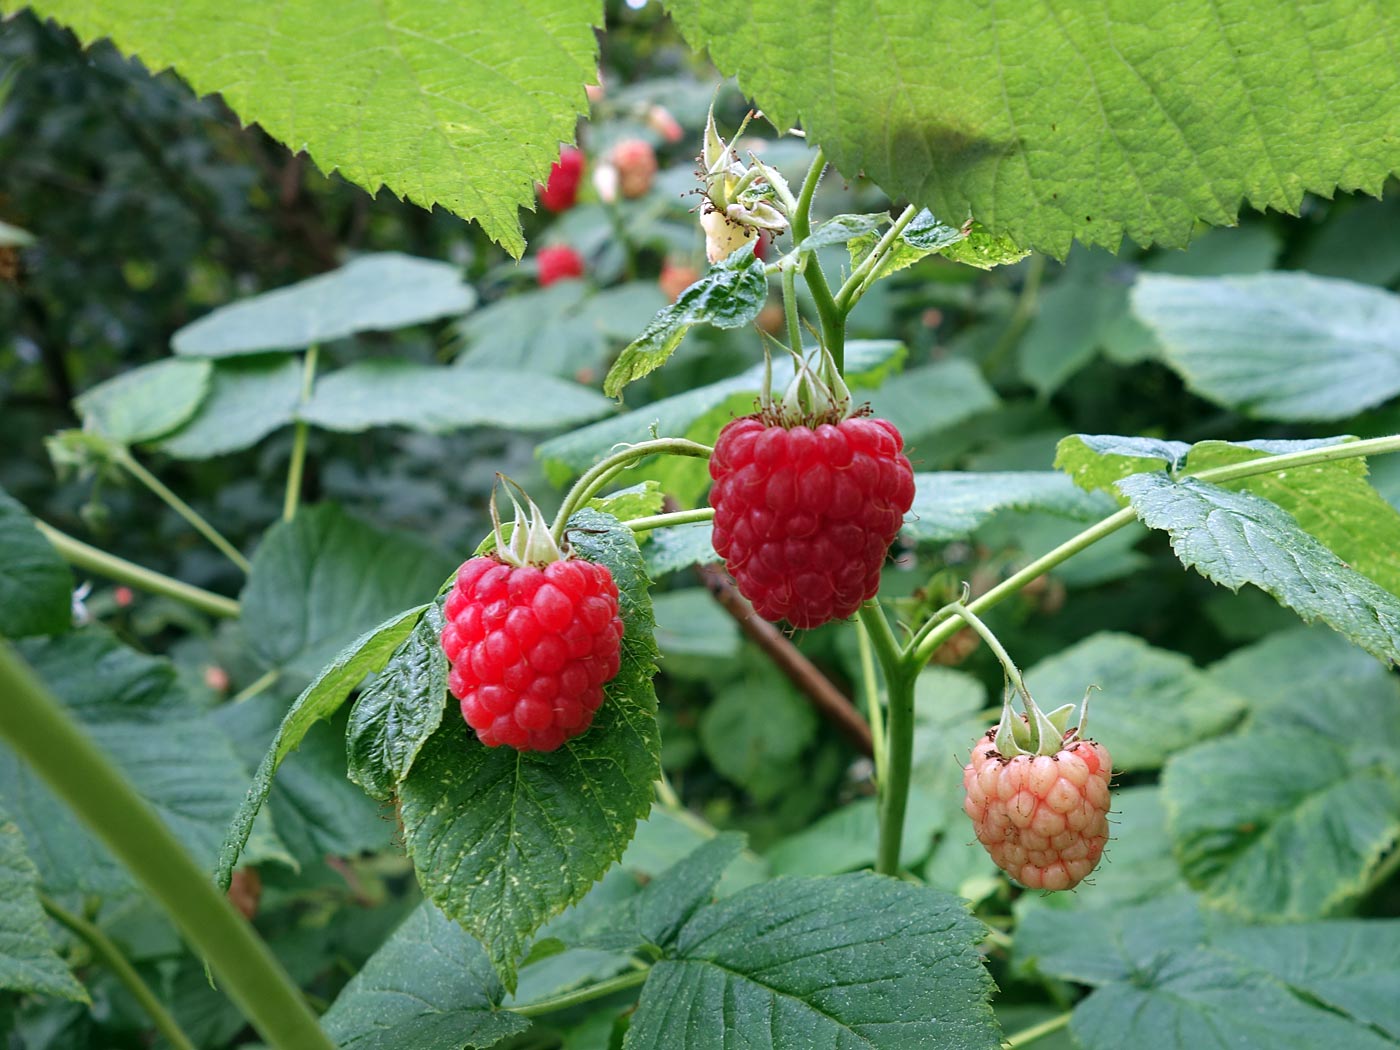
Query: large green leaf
x,y
1236,538
1153,702
146,402
679,547
135,710
1280,345
438,399
758,745
397,712
729,295
503,839
318,700
248,399
1289,817
1049,123
929,398
430,987
851,962
36,587
868,363
322,579
28,962
952,505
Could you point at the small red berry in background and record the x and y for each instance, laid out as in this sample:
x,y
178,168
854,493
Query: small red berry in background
x,y
532,637
561,191
123,596
558,262
635,162
216,678
676,278
661,121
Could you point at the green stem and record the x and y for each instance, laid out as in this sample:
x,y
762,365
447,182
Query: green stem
x,y
1020,316
180,507
874,703
298,463
833,320
111,957
94,559
598,475
1384,872
994,643
264,681
794,320
899,746
582,995
864,275
79,773
675,517
1027,1036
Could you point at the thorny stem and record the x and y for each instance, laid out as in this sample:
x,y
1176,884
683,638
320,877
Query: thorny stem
x,y
107,953
598,475
298,461
94,559
180,507
1036,1032
833,320
582,995
864,274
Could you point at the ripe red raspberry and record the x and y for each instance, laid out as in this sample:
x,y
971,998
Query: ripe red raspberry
x,y
531,648
561,191
675,278
805,515
1043,818
557,263
635,161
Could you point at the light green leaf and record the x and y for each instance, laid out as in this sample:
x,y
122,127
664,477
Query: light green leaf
x,y
439,400
1303,664
318,700
851,961
504,839
635,501
692,626
729,295
951,505
923,236
537,330
755,730
28,962
1234,538
1097,462
248,399
1153,702
1047,124
145,403
868,363
397,712
430,987
1286,346
679,547
135,710
930,398
844,840
36,587
840,229
984,249
1070,317
322,579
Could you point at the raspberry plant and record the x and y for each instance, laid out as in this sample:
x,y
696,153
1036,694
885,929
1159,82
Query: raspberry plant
x,y
478,791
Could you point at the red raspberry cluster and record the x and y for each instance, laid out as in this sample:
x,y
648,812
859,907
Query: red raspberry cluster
x,y
804,516
531,648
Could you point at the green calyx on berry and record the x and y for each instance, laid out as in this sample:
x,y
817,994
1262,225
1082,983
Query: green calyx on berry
x,y
740,199
530,541
1036,732
816,393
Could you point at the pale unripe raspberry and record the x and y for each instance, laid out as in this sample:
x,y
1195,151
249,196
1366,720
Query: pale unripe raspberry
x,y
635,161
676,278
1043,818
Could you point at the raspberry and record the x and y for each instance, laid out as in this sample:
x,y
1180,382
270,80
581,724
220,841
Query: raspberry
x,y
1043,818
676,278
635,161
561,191
557,263
531,648
805,515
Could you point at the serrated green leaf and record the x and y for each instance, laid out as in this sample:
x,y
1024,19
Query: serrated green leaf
x,y
1299,668
758,745
319,700
135,710
1189,115
868,363
729,295
1286,346
845,840
1102,946
1153,702
951,505
851,961
839,229
430,987
923,236
438,400
504,839
679,547
693,628
1097,462
28,962
36,587
984,249
325,577
248,399
1234,538
931,398
397,712
636,501
145,403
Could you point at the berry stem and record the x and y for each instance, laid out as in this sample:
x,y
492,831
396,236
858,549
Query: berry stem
x,y
107,953
874,702
583,995
899,743
94,559
794,320
994,644
833,320
1036,1032
598,475
125,459
864,275
298,461
36,725
676,517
